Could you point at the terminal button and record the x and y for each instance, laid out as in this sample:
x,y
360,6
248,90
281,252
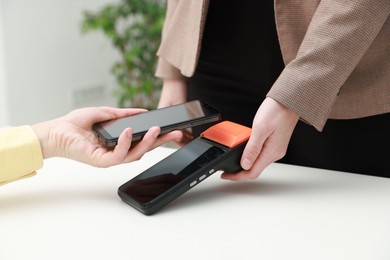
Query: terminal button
x,y
201,178
192,184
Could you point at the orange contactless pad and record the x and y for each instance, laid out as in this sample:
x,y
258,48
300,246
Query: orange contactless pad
x,y
227,133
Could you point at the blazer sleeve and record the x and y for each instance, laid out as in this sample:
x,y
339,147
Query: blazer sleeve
x,y
338,36
165,69
20,153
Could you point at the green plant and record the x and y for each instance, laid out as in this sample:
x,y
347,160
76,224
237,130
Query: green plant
x,y
134,28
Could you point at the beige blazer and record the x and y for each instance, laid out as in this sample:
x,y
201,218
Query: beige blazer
x,y
337,54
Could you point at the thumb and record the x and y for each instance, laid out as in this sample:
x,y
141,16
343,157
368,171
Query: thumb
x,y
251,151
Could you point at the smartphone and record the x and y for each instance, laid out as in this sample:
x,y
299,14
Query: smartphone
x,y
170,118
218,149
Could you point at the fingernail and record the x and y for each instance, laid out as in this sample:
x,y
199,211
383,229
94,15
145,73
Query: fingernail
x,y
155,135
129,134
246,164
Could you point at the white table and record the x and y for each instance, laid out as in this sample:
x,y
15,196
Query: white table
x,y
72,211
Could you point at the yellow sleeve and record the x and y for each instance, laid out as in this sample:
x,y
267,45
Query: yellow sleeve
x,y
20,153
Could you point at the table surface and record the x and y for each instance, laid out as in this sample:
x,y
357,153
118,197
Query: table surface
x,y
72,211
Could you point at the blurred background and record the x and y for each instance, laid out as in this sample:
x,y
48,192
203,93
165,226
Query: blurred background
x,y
54,57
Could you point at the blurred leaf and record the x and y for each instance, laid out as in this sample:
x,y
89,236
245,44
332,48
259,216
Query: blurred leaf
x,y
134,29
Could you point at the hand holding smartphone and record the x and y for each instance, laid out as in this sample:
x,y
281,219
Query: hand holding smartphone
x,y
170,118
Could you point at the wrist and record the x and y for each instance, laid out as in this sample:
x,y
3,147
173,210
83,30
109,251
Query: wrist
x,y
47,141
174,91
294,117
174,83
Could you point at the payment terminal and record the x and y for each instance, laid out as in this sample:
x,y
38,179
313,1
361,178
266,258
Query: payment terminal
x,y
218,148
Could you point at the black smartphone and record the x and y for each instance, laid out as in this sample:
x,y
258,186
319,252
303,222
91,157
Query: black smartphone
x,y
168,179
170,118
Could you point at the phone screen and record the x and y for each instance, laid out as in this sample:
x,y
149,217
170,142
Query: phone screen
x,y
173,117
166,174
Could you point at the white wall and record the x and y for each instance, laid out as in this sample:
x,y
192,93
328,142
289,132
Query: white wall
x,y
47,58
3,90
